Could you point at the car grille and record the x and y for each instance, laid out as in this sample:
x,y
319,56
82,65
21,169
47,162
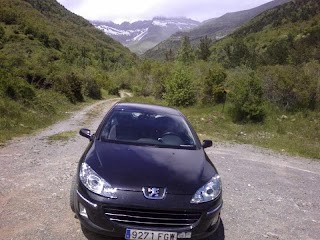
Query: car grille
x,y
151,218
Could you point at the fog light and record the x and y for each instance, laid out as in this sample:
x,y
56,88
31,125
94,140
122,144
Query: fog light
x,y
82,211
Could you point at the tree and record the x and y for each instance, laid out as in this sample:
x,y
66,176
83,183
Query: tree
x,y
179,90
204,48
213,86
278,52
169,55
186,54
246,97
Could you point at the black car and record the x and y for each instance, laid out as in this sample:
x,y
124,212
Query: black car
x,y
145,175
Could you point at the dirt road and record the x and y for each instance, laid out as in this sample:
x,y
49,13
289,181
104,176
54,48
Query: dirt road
x,y
266,195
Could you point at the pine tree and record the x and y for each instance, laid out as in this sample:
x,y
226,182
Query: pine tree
x,y
186,54
204,48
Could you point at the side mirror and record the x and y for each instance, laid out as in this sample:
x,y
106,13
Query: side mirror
x,y
206,143
85,133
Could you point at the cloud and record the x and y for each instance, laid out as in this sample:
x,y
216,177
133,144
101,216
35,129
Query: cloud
x,y
132,10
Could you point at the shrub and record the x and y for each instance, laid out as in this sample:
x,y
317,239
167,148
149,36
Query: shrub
x,y
2,32
213,86
93,89
71,86
19,90
8,16
114,89
179,90
292,88
246,96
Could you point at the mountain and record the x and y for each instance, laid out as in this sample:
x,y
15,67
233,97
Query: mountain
x,y
142,35
215,29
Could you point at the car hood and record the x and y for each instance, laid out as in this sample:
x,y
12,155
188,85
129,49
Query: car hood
x,y
130,167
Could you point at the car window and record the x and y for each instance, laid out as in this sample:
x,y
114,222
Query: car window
x,y
147,129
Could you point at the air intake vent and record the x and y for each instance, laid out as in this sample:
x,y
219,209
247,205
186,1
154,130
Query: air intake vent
x,y
151,218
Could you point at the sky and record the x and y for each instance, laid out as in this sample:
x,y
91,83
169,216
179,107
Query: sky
x,y
119,11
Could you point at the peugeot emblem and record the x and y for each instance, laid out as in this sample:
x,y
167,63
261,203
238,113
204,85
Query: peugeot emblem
x,y
154,192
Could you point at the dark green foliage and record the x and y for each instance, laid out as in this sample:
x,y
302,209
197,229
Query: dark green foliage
x,y
72,86
8,16
186,54
2,33
94,91
246,95
170,55
17,89
292,88
213,90
204,51
278,52
179,89
114,90
235,53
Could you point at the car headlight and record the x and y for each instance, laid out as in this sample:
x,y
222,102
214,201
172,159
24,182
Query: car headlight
x,y
95,183
209,191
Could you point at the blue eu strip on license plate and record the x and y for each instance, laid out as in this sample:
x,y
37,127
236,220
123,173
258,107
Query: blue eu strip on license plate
x,y
136,234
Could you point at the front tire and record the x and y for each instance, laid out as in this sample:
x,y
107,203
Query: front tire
x,y
73,194
218,234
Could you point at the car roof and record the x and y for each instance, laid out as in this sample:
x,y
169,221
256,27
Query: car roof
x,y
151,108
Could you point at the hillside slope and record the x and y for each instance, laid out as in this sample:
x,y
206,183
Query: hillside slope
x,y
46,26
215,29
288,34
49,57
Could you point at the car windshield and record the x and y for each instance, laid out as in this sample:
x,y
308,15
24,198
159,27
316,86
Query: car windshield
x,y
143,128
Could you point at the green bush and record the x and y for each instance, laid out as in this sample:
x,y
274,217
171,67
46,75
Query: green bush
x,y
2,32
292,88
179,89
213,86
19,90
93,90
114,89
71,86
246,96
8,16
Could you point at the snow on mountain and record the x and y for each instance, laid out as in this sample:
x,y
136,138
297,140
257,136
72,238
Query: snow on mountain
x,y
113,31
142,35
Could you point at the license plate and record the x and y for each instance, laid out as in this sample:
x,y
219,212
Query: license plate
x,y
134,234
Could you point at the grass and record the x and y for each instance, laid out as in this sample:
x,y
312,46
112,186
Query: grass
x,y
63,136
296,134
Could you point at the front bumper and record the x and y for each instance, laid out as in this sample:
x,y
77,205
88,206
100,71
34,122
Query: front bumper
x,y
95,218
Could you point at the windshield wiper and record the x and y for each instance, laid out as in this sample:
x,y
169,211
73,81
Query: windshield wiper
x,y
187,145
